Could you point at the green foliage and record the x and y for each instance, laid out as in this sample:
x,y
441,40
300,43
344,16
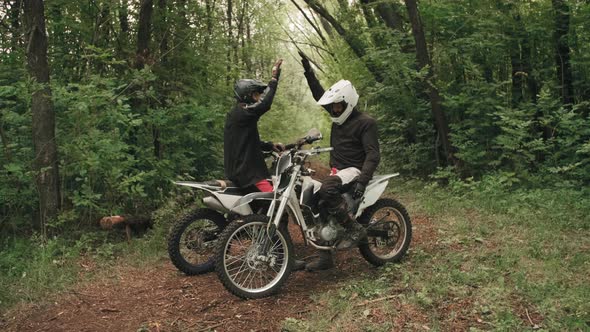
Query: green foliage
x,y
125,133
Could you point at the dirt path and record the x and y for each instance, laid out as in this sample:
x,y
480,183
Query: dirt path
x,y
159,298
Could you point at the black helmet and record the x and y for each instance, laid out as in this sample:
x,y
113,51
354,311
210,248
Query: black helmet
x,y
244,88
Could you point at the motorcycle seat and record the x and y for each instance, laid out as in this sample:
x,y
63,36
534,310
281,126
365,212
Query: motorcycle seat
x,y
222,184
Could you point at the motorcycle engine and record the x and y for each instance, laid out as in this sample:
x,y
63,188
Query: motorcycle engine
x,y
330,231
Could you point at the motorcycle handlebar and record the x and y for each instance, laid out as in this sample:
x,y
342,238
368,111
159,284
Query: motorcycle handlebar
x,y
301,142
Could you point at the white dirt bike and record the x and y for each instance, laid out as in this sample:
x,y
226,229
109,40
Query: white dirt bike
x,y
192,240
255,255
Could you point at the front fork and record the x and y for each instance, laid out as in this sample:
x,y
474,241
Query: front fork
x,y
276,215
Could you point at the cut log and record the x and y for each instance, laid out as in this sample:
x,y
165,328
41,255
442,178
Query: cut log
x,y
135,223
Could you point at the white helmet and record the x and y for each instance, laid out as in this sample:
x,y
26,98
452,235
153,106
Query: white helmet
x,y
342,91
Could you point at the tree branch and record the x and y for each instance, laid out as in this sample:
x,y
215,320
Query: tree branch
x,y
314,26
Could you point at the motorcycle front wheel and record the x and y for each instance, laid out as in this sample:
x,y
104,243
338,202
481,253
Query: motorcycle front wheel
x,y
389,232
192,241
251,261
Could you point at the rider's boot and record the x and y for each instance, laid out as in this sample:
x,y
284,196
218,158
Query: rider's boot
x,y
355,232
323,262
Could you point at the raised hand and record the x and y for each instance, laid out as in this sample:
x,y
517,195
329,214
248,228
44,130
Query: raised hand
x,y
276,69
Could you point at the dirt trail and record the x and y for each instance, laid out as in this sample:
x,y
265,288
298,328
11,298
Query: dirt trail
x,y
159,298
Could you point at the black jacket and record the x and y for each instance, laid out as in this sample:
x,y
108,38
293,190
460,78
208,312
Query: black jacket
x,y
243,159
355,142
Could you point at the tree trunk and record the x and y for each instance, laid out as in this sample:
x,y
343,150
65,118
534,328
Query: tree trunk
x,y
524,87
229,39
15,32
144,30
161,31
390,15
423,59
562,55
45,147
122,40
247,41
240,32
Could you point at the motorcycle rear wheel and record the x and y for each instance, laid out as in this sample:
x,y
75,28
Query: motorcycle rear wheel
x,y
250,263
389,237
192,240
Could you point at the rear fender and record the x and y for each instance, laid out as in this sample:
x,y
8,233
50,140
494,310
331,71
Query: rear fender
x,y
216,199
374,190
198,185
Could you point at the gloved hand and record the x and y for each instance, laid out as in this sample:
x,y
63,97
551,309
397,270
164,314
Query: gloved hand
x,y
305,62
359,190
276,69
278,147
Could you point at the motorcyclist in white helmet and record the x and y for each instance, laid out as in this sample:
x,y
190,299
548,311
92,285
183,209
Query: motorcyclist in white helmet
x,y
354,158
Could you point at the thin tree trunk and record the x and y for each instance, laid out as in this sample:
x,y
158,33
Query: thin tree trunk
x,y
518,74
45,147
390,15
562,55
15,11
229,39
162,31
423,59
240,33
209,24
246,41
144,33
122,37
524,87
142,57
5,142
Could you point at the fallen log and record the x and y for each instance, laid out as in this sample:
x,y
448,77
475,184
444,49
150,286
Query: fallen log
x,y
129,223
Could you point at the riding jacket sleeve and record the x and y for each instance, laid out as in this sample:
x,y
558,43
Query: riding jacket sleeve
x,y
316,88
263,105
372,155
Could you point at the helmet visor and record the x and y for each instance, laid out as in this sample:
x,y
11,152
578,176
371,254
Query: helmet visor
x,y
336,109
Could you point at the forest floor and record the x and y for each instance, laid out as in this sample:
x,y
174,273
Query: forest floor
x,y
479,261
160,298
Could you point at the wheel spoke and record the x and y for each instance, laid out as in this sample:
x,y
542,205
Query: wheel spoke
x,y
246,266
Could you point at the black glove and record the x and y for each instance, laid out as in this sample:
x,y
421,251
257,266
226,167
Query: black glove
x,y
266,146
359,190
305,62
278,147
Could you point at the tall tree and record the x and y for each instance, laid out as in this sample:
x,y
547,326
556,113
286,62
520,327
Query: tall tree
x,y
15,11
524,86
423,59
230,39
46,158
562,50
144,30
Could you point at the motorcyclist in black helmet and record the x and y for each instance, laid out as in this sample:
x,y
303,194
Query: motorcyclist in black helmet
x,y
243,150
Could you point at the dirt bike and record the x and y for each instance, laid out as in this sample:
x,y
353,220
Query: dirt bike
x,y
191,241
254,254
